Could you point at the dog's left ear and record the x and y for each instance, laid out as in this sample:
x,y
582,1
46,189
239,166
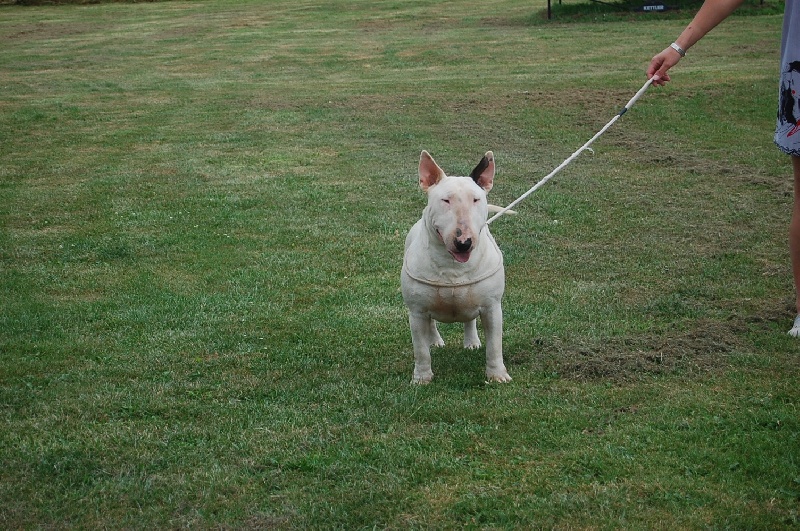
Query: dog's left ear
x,y
483,174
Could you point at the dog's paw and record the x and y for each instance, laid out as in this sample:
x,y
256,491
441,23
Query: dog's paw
x,y
472,344
421,379
498,377
437,342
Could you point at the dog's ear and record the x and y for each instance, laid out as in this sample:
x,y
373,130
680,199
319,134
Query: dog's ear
x,y
429,172
483,174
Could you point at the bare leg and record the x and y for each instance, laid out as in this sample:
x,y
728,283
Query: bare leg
x,y
794,242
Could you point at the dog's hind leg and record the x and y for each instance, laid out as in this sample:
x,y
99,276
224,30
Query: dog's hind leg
x,y
471,339
435,337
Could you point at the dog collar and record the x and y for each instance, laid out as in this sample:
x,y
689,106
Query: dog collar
x,y
438,283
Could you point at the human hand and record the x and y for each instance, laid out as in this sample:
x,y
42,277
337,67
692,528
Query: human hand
x,y
660,64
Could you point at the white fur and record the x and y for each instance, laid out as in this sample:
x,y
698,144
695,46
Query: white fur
x,y
453,269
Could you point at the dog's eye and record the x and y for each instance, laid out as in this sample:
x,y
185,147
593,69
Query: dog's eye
x,y
477,200
446,201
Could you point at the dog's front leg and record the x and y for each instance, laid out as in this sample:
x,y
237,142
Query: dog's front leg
x,y
422,328
492,320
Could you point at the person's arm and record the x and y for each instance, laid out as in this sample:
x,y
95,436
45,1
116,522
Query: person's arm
x,y
711,13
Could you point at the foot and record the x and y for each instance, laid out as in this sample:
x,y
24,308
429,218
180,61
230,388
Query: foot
x,y
472,343
795,331
422,377
497,376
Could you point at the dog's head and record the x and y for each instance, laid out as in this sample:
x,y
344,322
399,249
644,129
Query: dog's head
x,y
457,207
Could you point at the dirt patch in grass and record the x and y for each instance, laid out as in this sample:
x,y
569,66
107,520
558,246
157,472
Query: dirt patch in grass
x,y
50,30
706,347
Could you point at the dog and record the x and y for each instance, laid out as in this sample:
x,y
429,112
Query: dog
x,y
453,269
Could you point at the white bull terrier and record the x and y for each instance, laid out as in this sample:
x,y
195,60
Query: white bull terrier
x,y
453,269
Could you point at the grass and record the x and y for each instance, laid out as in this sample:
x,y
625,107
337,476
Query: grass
x,y
630,10
203,207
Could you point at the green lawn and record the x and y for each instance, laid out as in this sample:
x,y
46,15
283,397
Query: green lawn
x,y
202,213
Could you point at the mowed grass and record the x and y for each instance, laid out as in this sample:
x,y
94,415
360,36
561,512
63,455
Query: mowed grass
x,y
203,208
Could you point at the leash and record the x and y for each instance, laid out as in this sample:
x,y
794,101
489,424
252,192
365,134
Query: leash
x,y
574,155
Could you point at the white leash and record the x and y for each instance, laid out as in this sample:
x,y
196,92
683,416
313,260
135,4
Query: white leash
x,y
574,155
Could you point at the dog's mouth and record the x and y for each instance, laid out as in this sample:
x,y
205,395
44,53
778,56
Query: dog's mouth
x,y
460,257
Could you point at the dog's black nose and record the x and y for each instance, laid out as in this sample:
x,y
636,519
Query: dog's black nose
x,y
464,246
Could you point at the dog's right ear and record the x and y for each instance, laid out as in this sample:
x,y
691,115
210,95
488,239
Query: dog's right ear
x,y
429,172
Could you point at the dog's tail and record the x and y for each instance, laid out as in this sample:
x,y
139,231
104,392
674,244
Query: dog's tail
x,y
495,209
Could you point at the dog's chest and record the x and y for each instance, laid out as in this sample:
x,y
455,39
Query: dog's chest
x,y
454,304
